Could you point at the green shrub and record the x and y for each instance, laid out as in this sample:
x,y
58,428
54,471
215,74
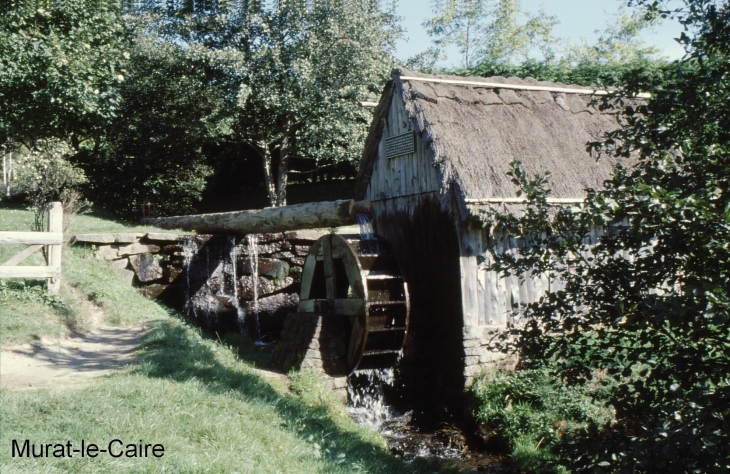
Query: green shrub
x,y
44,174
532,411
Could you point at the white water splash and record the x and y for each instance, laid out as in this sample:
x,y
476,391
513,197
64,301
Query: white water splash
x,y
253,254
366,397
366,226
368,241
233,257
189,249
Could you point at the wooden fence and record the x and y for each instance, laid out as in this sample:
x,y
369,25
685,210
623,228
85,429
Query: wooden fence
x,y
53,238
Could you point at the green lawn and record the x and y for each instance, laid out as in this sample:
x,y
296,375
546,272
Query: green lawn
x,y
198,397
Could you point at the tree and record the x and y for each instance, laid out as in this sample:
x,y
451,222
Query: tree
x,y
647,308
490,30
305,66
309,69
177,100
60,65
618,43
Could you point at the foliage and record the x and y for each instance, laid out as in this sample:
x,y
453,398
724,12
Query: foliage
x,y
649,303
301,69
60,65
487,30
45,174
530,412
646,75
174,103
490,37
619,43
30,291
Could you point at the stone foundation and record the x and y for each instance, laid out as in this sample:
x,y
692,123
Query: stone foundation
x,y
209,277
482,352
317,342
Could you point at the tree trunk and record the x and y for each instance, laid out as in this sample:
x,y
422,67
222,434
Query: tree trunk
x,y
268,172
282,172
309,215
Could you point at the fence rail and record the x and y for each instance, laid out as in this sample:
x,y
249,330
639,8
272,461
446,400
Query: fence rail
x,y
53,238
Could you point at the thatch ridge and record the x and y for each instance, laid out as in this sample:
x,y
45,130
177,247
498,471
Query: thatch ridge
x,y
474,132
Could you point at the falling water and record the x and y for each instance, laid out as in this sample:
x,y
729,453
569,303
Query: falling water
x,y
368,241
233,256
366,387
366,394
189,249
253,253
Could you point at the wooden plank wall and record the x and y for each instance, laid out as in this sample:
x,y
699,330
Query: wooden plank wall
x,y
403,175
488,298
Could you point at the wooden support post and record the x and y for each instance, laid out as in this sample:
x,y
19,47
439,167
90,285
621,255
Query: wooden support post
x,y
55,224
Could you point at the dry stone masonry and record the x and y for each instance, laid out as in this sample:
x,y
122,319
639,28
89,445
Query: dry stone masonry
x,y
317,342
223,282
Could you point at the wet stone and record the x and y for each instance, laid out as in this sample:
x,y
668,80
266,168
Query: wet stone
x,y
270,267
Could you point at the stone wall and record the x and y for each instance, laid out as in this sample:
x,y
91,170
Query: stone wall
x,y
223,282
317,342
482,352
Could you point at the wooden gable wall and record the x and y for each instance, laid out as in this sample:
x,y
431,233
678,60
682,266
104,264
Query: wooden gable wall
x,y
405,175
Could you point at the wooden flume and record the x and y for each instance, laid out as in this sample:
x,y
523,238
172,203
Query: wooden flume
x,y
309,215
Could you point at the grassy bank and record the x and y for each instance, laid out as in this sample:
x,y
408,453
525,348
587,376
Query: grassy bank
x,y
207,407
199,397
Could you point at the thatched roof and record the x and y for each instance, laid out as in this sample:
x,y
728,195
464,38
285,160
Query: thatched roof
x,y
473,132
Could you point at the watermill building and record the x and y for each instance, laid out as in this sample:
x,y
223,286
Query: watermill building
x,y
437,154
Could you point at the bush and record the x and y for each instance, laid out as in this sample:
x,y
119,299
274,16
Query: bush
x,y
44,174
531,412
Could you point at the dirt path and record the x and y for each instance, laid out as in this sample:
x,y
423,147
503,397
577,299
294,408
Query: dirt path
x,y
68,362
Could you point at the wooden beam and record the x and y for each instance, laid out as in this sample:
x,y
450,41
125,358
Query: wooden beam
x,y
29,272
22,255
522,87
31,238
349,306
259,221
519,200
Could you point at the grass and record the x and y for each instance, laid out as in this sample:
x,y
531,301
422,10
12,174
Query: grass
x,y
200,397
531,412
208,409
15,216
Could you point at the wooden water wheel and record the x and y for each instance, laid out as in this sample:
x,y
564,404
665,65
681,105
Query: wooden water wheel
x,y
361,281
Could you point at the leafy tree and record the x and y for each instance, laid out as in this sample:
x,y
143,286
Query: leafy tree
x,y
60,65
490,30
618,43
176,101
44,174
309,66
648,306
304,66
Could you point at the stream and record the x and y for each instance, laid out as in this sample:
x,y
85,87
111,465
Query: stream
x,y
412,437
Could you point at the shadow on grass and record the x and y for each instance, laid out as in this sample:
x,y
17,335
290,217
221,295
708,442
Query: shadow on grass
x,y
178,353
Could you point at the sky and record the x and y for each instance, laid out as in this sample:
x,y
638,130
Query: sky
x,y
579,19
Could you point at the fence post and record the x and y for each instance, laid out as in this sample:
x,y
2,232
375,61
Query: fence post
x,y
55,224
